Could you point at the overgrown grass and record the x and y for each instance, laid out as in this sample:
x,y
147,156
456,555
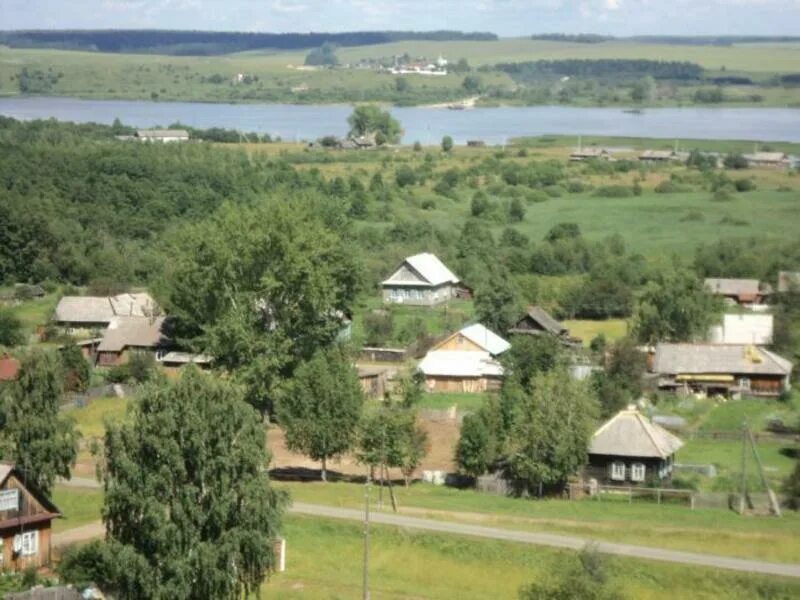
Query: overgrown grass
x,y
715,531
79,506
612,329
91,419
324,561
462,401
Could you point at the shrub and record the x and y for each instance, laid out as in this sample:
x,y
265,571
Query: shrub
x,y
735,161
744,185
428,204
576,186
693,216
480,204
405,176
554,191
447,143
666,187
613,191
118,374
417,147
535,196
722,195
141,366
11,332
378,327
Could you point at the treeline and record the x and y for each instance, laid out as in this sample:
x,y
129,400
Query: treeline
x,y
601,68
206,43
677,40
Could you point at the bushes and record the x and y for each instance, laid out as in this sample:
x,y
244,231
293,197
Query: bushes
x,y
613,191
11,332
744,185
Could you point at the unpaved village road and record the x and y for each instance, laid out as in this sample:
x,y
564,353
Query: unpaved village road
x,y
94,530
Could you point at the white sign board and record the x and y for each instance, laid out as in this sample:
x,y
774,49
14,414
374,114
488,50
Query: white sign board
x,y
9,500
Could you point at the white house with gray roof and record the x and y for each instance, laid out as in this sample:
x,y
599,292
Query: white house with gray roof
x,y
421,280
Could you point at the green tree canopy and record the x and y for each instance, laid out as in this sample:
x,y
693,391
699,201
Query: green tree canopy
x,y
497,301
551,430
370,119
189,511
321,410
11,331
674,306
324,56
262,288
447,143
43,444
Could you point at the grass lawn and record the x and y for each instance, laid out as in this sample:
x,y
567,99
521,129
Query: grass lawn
x,y
613,329
731,415
90,420
463,401
79,506
34,313
715,531
324,562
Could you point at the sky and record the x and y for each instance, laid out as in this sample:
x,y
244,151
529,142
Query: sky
x,y
504,17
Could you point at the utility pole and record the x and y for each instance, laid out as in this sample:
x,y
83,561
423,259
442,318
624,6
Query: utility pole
x,y
366,537
743,494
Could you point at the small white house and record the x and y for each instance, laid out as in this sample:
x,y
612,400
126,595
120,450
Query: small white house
x,y
421,280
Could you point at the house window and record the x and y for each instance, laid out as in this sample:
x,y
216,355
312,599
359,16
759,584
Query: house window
x,y
9,500
618,471
637,471
30,543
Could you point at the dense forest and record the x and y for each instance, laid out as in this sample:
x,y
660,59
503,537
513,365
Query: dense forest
x,y
677,40
207,43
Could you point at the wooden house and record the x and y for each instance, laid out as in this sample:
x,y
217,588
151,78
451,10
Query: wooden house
x,y
537,321
25,522
91,313
582,154
132,334
726,369
630,450
769,160
737,291
421,280
465,361
374,381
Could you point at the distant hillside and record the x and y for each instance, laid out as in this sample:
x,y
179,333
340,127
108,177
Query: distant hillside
x,y
205,43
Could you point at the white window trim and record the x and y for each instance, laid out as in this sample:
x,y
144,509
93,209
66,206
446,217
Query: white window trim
x,y
618,471
30,543
638,471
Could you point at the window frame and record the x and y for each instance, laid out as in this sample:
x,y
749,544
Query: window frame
x,y
30,543
614,470
638,472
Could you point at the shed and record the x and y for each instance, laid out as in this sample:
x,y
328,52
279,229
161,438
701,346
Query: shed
x,y
739,291
628,449
537,321
457,371
374,380
421,280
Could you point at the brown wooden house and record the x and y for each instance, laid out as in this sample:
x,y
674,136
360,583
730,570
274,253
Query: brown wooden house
x,y
537,321
25,522
724,369
131,334
630,450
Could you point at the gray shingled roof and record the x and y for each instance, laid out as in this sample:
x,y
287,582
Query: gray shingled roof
x,y
629,433
100,310
139,332
543,318
732,287
675,359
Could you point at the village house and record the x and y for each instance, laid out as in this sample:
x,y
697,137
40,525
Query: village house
x,y
788,281
537,321
737,291
628,449
374,381
725,369
421,280
465,361
743,329
174,361
582,154
163,136
770,160
87,313
662,156
25,522
132,334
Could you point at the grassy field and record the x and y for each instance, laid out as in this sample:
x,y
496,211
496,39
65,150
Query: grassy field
x,y
586,330
712,530
77,505
406,565
443,401
91,419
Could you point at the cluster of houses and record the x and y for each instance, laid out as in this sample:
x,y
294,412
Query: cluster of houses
x,y
420,67
111,328
629,448
160,136
769,160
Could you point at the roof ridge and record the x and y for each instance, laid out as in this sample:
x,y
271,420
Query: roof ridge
x,y
647,427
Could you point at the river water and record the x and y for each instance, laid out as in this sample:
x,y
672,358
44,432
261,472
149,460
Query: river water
x,y
427,125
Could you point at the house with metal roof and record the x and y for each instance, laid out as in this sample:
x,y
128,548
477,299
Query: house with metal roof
x,y
725,369
629,449
737,291
162,135
96,312
421,280
771,160
465,361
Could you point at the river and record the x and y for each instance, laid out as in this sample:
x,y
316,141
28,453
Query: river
x,y
427,125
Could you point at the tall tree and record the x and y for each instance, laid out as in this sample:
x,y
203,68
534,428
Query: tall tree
x,y
262,288
189,511
620,381
370,119
322,408
674,307
551,430
42,443
497,303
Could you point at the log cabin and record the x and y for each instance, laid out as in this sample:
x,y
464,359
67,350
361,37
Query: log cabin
x,y
421,280
25,522
630,450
